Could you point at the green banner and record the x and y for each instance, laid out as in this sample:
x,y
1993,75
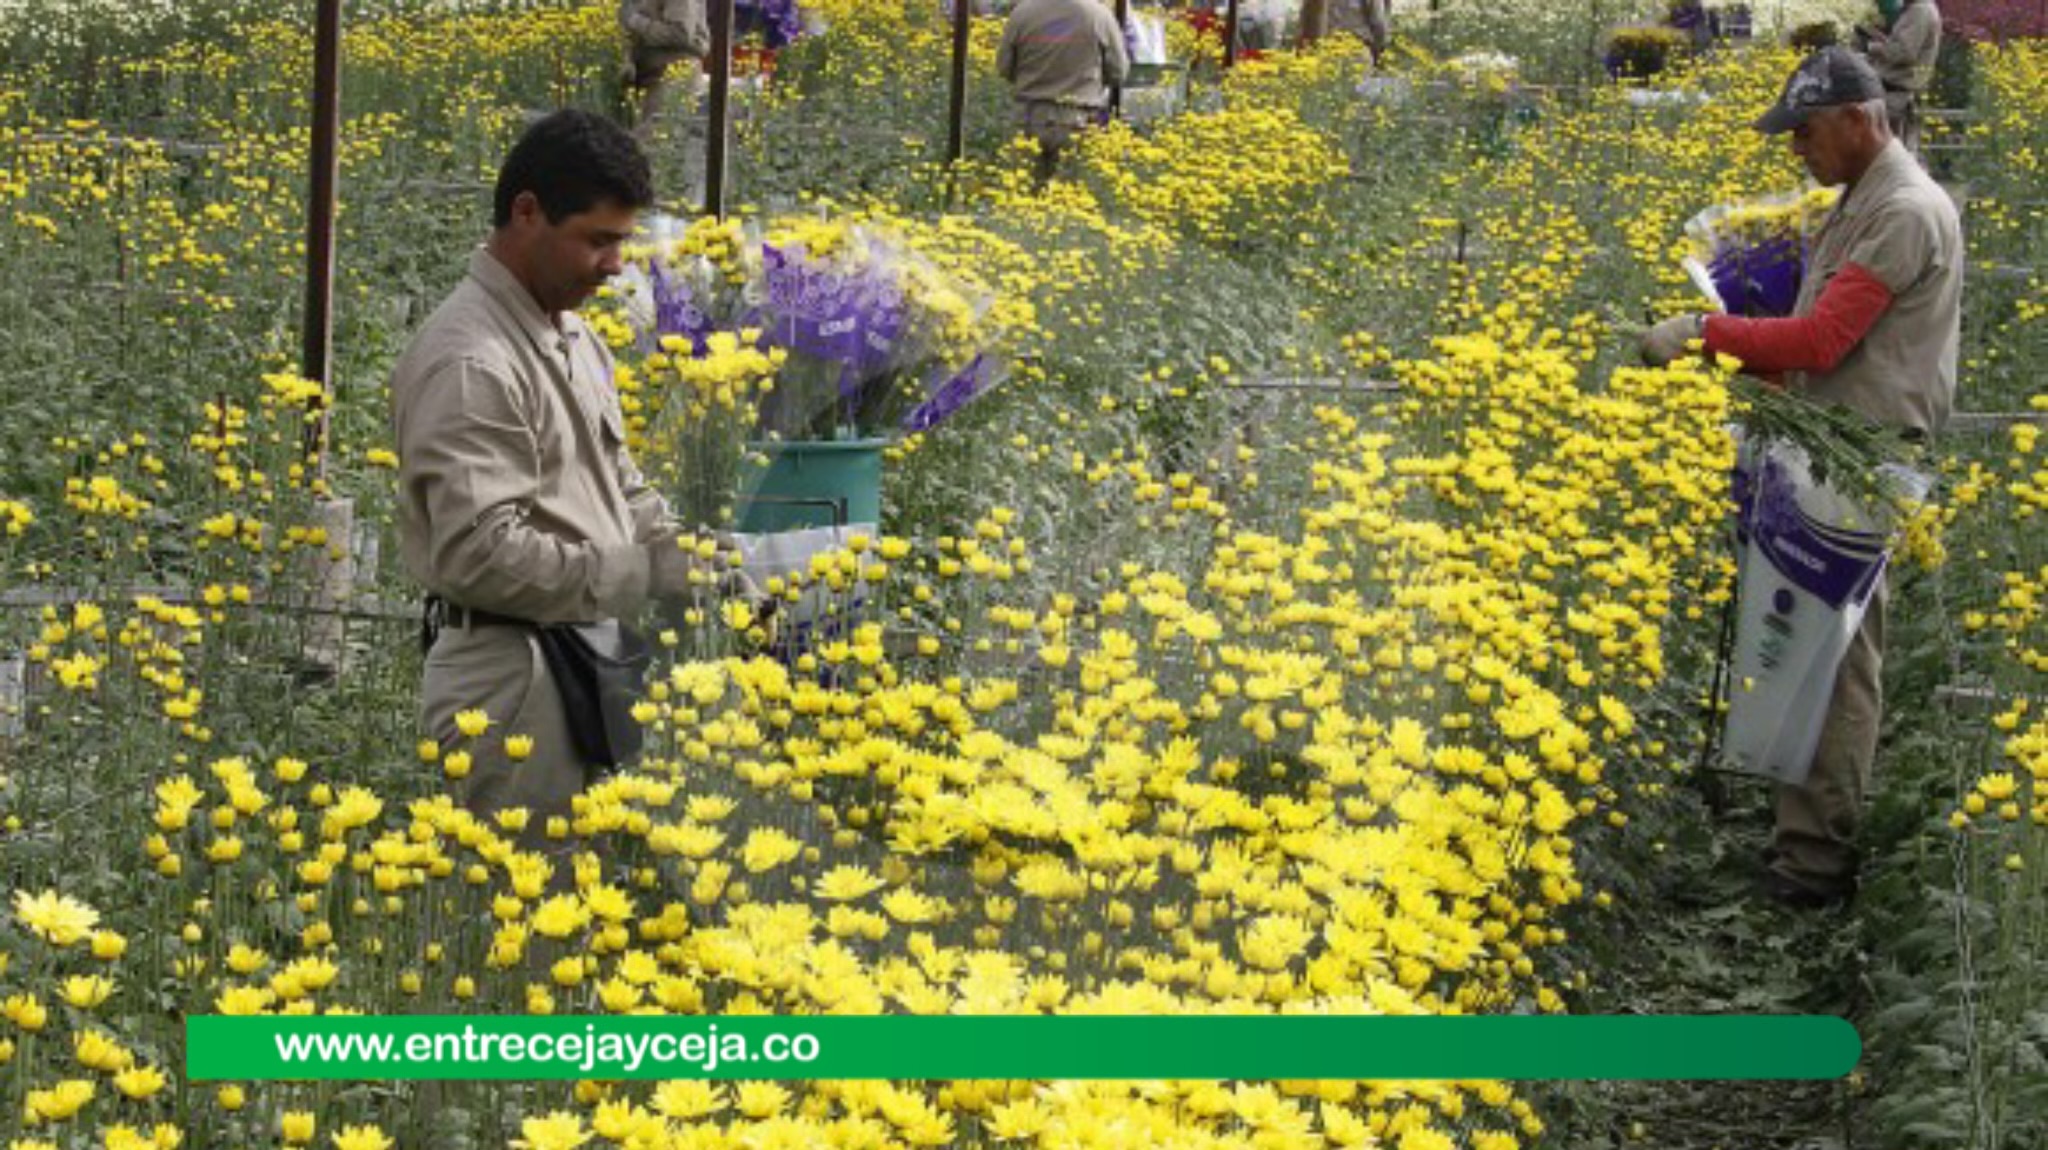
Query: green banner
x,y
1083,1046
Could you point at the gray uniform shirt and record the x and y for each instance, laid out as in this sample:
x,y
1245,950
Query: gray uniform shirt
x,y
1900,226
1063,52
667,25
1905,58
516,493
1365,19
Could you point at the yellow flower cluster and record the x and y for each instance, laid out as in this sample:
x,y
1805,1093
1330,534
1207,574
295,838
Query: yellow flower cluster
x,y
1335,738
17,515
1796,217
1233,175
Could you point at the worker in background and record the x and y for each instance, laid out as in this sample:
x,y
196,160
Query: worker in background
x,y
1904,53
1061,58
659,35
1365,19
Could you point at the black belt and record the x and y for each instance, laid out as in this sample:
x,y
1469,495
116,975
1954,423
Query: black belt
x,y
472,617
443,613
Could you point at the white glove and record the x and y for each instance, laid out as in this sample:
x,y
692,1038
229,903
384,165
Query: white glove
x,y
1668,340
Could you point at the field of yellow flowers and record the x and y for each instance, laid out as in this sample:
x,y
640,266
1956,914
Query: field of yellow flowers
x,y
1318,620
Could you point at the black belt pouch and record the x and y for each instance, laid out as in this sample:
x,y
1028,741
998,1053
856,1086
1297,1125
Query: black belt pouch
x,y
600,681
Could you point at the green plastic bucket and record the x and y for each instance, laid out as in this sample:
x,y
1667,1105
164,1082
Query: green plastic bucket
x,y
811,484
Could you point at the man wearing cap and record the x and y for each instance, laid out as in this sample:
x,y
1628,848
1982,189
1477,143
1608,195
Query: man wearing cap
x,y
1904,54
1875,328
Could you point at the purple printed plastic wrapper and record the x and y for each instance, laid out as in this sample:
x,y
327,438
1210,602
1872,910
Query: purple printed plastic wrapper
x,y
1760,280
1821,562
1742,484
1750,256
879,319
779,21
676,311
811,305
954,394
872,330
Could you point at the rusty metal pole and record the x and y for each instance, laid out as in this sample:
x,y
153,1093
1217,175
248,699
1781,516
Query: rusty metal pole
x,y
1230,36
330,570
1116,91
316,351
956,104
717,134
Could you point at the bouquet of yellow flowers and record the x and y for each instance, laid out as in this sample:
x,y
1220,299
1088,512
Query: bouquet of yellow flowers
x,y
879,341
686,279
1749,257
804,329
694,373
869,339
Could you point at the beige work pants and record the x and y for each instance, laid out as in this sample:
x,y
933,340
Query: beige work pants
x,y
1053,127
498,668
1902,110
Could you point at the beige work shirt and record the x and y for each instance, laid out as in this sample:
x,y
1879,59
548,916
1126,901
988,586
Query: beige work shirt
x,y
1062,52
679,26
1905,58
1900,226
516,493
1365,19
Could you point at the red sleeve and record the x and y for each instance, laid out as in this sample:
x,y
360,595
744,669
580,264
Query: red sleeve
x,y
1843,315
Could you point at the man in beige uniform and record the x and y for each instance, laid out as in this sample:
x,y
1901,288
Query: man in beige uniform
x,y
518,503
1876,328
1061,57
1365,19
1904,55
659,35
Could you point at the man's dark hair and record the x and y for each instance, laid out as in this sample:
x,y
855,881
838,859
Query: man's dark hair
x,y
571,160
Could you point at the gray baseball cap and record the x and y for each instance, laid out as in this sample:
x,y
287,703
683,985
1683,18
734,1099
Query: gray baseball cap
x,y
1826,79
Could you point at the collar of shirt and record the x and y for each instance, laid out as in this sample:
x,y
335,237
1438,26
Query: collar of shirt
x,y
510,294
1883,172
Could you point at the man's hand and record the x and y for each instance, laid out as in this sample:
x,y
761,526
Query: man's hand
x,y
673,569
1668,340
683,566
734,583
